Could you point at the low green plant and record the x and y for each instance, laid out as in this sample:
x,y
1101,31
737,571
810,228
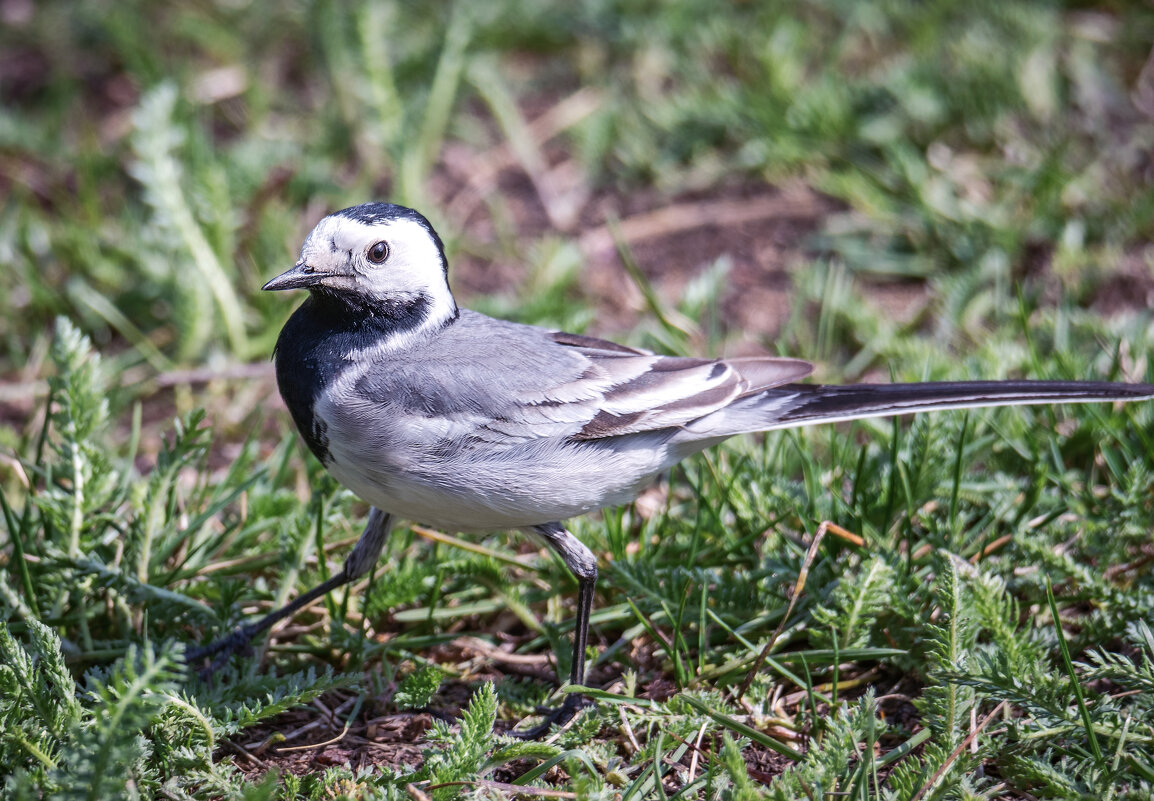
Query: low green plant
x,y
976,625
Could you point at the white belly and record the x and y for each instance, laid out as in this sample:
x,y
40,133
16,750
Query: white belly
x,y
529,486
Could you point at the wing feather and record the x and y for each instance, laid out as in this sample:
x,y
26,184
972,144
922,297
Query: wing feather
x,y
527,384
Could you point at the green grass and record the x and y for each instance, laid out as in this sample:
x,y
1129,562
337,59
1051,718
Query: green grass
x,y
987,637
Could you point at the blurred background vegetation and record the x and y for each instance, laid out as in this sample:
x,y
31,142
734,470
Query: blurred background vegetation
x,y
892,188
160,160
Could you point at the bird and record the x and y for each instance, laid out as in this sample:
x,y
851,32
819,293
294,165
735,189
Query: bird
x,y
449,418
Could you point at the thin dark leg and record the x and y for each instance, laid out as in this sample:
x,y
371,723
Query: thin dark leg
x,y
359,562
585,588
583,563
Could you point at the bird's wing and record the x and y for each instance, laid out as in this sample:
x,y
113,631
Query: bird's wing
x,y
503,383
593,346
625,391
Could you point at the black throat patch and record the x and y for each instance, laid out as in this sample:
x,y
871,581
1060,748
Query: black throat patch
x,y
318,343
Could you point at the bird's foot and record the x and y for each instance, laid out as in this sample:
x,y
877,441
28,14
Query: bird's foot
x,y
557,716
237,642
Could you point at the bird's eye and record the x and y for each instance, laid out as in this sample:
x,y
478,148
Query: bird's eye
x,y
379,252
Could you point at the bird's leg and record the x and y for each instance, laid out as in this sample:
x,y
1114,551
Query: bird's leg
x,y
359,562
583,563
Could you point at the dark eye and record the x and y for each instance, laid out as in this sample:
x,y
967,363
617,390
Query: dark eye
x,y
379,252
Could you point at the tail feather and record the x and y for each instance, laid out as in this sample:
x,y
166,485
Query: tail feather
x,y
830,403
793,405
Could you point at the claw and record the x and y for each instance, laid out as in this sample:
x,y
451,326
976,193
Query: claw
x,y
557,716
237,642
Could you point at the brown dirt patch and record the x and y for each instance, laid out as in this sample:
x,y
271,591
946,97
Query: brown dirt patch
x,y
762,230
1130,289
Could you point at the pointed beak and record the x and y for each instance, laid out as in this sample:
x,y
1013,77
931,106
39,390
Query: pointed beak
x,y
301,276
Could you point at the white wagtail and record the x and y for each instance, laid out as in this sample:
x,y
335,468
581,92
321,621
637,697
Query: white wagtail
x,y
449,418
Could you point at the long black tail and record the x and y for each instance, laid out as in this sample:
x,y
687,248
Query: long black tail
x,y
816,403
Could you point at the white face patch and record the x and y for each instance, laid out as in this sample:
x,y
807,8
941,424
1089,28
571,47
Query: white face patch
x,y
339,248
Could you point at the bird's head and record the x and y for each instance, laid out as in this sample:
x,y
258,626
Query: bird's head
x,y
376,258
